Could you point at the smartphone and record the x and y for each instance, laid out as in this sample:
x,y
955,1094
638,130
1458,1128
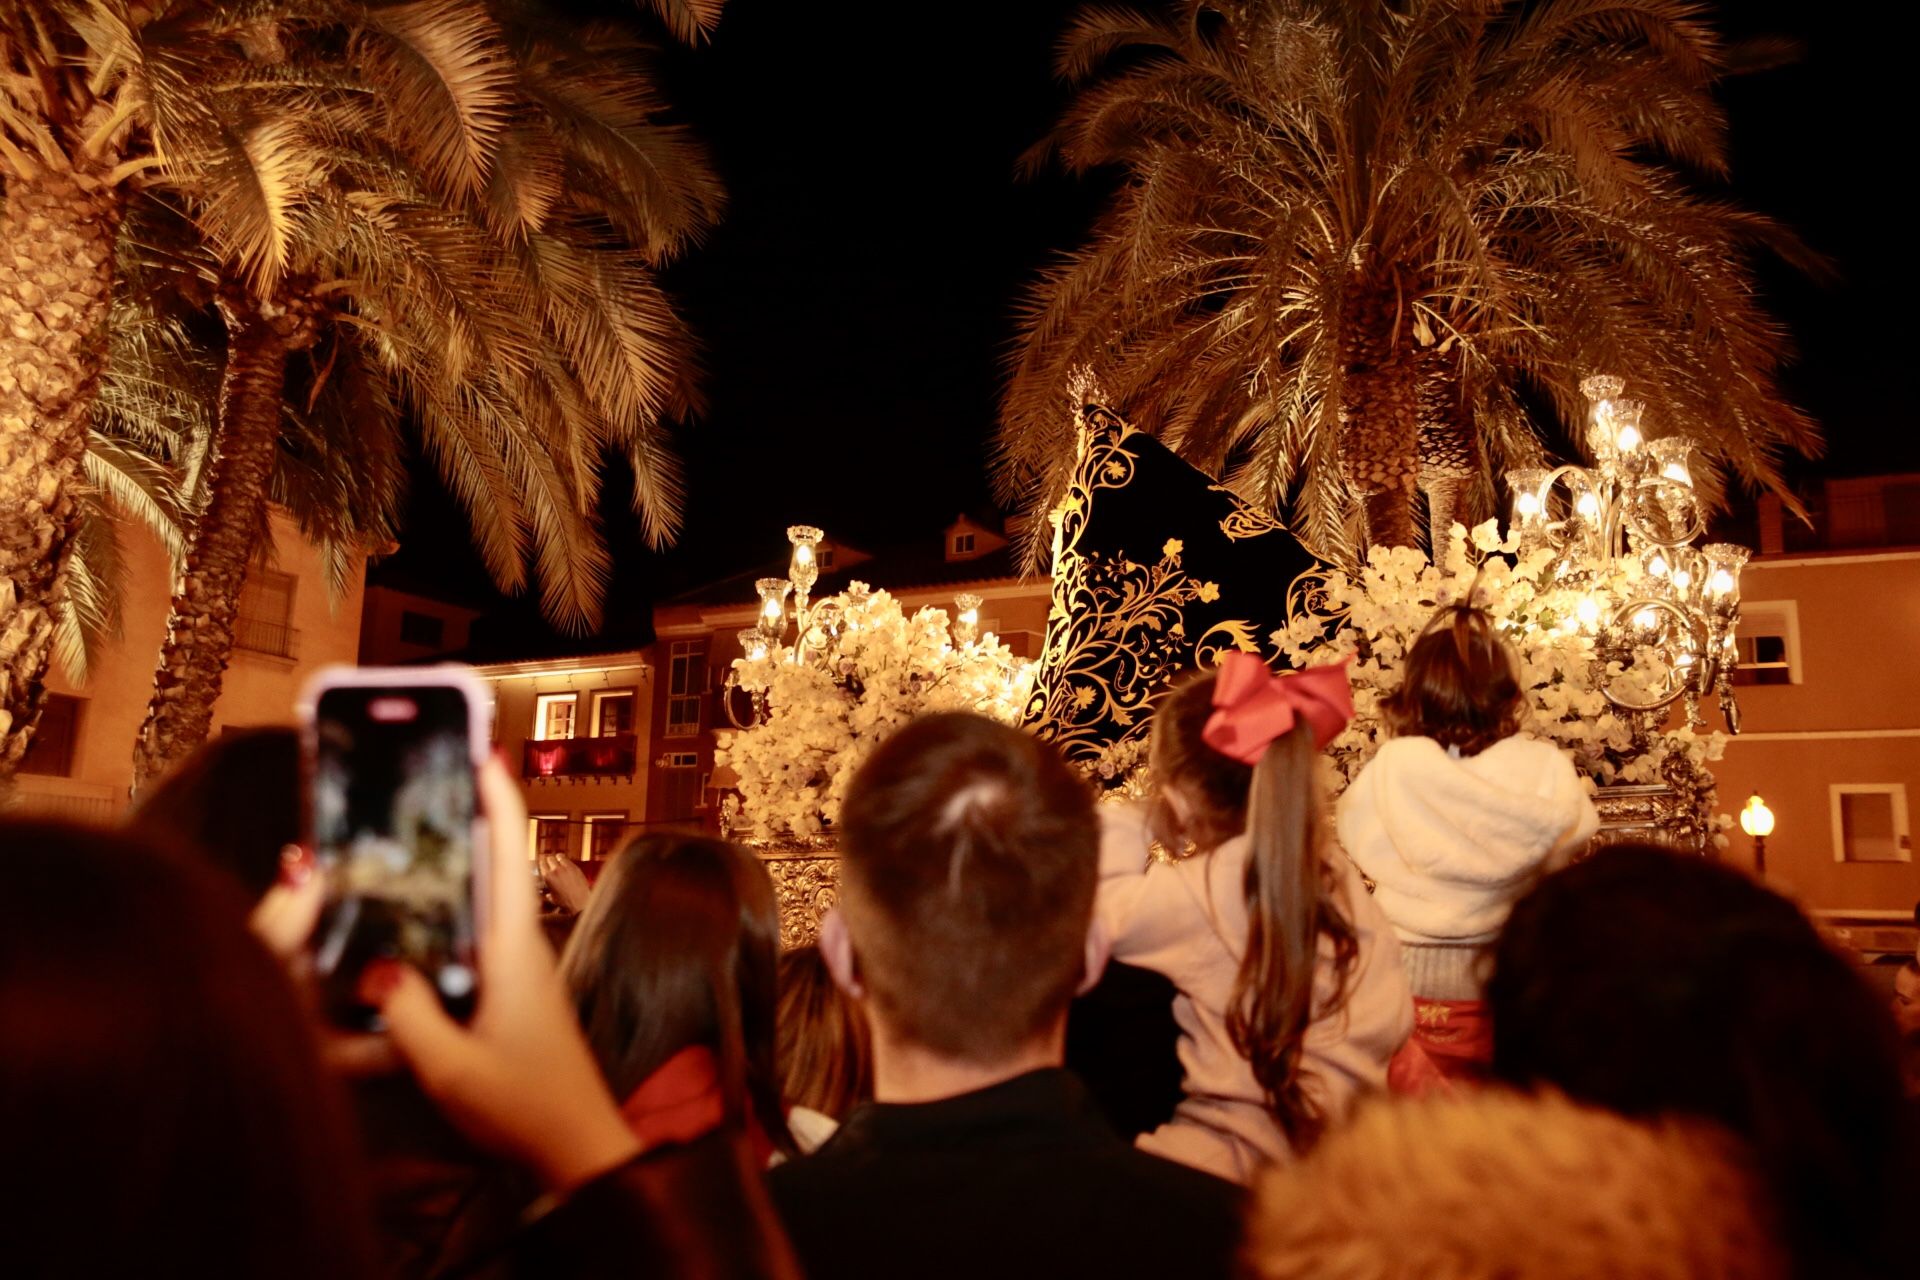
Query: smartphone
x,y
392,756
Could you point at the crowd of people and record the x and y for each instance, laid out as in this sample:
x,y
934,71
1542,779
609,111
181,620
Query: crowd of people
x,y
1230,1032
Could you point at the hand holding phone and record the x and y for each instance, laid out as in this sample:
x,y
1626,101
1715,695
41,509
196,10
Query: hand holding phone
x,y
520,1080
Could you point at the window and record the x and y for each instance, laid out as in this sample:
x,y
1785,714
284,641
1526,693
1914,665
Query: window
x,y
547,834
680,786
1768,643
686,681
823,556
50,753
1870,823
612,713
553,715
263,621
422,629
605,832
962,544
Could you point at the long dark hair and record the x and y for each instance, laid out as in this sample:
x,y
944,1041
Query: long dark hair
x,y
1654,983
235,801
1460,686
163,1108
1292,893
826,1060
677,948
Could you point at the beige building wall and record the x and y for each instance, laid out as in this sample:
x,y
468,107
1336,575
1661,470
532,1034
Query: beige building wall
x,y
1849,718
261,684
591,778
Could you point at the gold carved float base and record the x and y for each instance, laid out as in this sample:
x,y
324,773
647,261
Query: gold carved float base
x,y
806,875
805,884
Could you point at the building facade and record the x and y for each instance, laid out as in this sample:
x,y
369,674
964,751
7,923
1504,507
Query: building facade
x,y
80,763
575,730
399,626
1830,699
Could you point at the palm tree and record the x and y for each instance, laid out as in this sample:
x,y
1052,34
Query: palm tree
x,y
1357,240
459,233
75,133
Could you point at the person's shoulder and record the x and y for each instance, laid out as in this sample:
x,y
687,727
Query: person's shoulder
x,y
1179,1185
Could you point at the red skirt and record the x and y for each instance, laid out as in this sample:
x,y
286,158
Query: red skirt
x,y
1451,1045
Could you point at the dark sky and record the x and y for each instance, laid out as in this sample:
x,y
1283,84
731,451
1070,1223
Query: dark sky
x,y
857,301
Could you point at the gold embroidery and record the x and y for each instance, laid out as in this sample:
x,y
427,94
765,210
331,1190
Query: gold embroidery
x,y
1116,630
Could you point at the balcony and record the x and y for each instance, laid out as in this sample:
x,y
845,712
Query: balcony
x,y
614,756
257,635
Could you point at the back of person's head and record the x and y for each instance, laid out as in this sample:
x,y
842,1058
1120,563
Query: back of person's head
x,y
1492,1183
677,949
969,852
1291,894
163,1109
1652,983
236,801
825,1059
1460,684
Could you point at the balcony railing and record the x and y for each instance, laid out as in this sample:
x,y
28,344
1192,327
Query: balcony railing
x,y
614,756
260,636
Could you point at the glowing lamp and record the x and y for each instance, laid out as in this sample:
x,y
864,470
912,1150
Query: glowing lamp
x,y
773,606
966,622
1755,818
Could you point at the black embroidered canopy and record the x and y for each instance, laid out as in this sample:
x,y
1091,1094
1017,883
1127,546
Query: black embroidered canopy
x,y
1157,570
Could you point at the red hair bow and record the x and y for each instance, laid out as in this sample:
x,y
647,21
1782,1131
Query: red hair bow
x,y
1252,706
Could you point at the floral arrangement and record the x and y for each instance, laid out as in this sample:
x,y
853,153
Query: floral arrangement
x,y
866,671
1375,614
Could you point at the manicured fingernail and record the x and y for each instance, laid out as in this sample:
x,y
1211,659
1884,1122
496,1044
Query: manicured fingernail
x,y
296,866
378,980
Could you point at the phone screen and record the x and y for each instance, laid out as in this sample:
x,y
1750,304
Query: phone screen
x,y
393,807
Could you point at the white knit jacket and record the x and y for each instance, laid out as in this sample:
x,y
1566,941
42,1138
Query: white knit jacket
x,y
1451,842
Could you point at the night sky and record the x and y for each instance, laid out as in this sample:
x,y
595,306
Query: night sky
x,y
856,304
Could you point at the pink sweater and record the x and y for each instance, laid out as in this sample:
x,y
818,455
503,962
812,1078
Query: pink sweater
x,y
1188,921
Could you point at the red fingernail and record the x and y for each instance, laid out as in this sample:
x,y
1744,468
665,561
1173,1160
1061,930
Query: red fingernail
x,y
378,980
296,866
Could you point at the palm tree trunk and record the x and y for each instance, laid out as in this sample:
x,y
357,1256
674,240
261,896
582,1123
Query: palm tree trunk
x,y
1379,425
206,599
56,282
1449,449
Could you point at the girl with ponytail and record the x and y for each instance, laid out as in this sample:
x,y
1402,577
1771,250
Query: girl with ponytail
x,y
1290,997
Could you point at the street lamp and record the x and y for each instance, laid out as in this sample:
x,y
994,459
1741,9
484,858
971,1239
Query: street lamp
x,y
1757,821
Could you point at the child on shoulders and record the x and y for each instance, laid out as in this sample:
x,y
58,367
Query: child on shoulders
x,y
1290,1000
1454,818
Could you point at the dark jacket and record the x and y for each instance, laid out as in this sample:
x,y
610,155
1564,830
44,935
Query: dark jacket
x,y
1022,1179
692,1211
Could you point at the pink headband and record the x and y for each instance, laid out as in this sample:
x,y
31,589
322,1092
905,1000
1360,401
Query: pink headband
x,y
1252,706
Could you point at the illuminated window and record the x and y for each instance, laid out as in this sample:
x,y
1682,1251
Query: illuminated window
x,y
1768,643
686,682
612,713
547,833
605,833
1870,822
553,715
